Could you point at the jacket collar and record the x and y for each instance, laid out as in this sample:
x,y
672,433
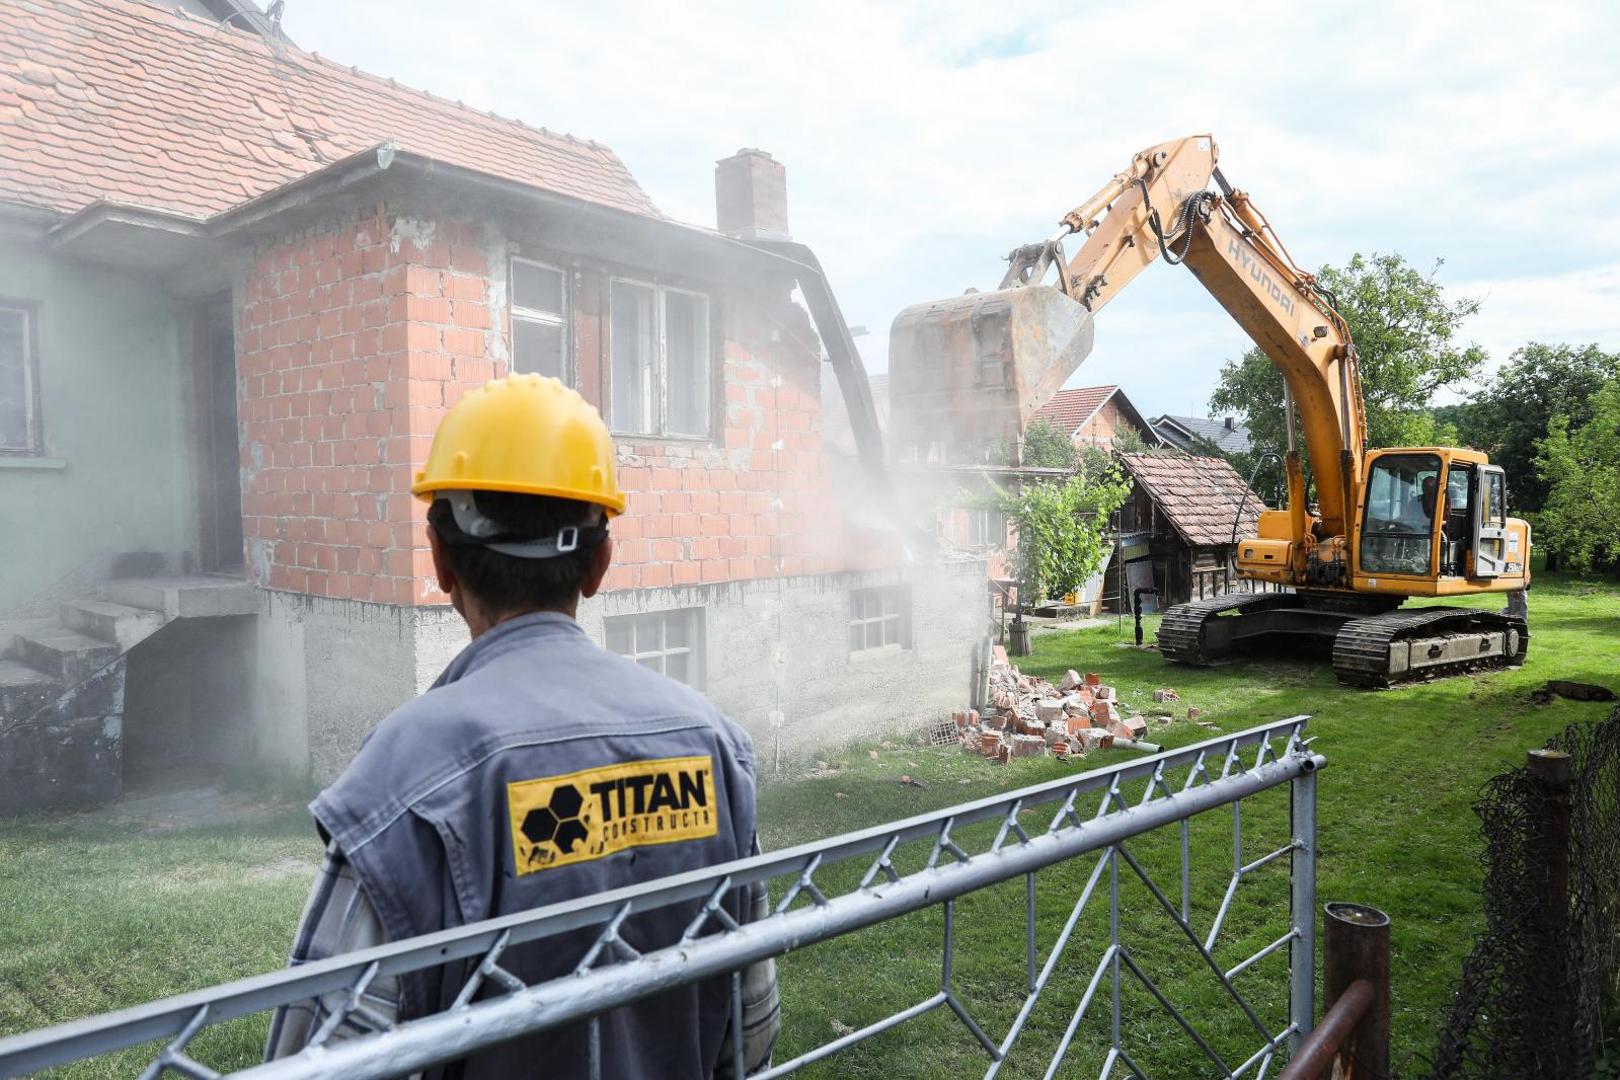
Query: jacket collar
x,y
504,637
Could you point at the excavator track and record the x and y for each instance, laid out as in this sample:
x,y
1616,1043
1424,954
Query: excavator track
x,y
1183,632
1419,644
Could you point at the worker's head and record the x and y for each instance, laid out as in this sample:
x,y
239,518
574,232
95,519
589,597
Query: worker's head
x,y
521,481
1431,484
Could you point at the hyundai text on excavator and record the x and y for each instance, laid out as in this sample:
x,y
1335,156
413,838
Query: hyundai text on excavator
x,y
1389,524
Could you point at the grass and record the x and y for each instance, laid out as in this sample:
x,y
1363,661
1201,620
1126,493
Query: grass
x,y
99,916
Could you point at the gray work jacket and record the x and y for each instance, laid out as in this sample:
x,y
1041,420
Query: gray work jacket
x,y
540,768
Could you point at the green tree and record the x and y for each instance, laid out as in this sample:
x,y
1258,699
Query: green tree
x,y
1512,414
1580,466
1405,330
1060,528
1047,447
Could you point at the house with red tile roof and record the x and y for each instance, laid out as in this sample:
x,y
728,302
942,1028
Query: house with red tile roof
x,y
240,284
1095,415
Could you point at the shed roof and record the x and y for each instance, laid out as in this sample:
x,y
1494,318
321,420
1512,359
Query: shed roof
x,y
128,102
1197,495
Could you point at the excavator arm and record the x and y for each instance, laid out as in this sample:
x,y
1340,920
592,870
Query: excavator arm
x,y
991,350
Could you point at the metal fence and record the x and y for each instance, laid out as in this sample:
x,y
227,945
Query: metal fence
x,y
1535,988
1131,799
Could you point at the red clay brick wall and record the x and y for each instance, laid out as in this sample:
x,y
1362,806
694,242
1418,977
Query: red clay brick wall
x,y
351,343
354,340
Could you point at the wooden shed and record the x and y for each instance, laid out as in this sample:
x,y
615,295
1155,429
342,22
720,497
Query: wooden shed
x,y
1176,528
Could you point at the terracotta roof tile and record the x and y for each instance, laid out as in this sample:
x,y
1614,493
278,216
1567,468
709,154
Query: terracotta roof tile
x,y
1068,409
1198,495
94,93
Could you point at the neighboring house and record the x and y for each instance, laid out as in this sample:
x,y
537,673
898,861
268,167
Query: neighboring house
x,y
1094,416
239,286
1197,435
1176,530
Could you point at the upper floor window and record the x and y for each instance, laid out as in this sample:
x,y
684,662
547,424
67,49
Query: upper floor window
x,y
659,355
19,381
540,332
986,528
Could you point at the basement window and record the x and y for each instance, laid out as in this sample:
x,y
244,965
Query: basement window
x,y
879,618
540,331
669,642
19,381
659,353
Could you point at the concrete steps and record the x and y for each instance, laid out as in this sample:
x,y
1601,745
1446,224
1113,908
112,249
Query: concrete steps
x,y
121,624
65,654
62,683
185,598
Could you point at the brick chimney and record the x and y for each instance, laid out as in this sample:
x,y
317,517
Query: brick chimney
x,y
750,196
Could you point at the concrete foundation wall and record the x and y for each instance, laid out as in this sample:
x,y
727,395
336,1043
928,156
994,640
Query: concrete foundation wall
x,y
782,647
319,674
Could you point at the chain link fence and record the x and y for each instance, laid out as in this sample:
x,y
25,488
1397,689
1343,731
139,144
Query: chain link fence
x,y
1535,988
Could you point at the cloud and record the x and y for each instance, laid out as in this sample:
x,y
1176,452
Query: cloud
x,y
923,141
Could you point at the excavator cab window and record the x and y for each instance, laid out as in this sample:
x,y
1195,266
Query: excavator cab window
x,y
1457,527
1403,498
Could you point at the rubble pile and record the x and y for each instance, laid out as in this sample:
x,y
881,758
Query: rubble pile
x,y
1029,717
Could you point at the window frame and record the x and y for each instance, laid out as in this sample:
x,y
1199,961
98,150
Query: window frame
x,y
660,423
694,650
564,319
901,617
982,533
33,415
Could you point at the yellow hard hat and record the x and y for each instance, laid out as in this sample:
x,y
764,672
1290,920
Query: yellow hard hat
x,y
527,434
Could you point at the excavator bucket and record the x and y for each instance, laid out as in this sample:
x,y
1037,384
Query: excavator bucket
x,y
968,373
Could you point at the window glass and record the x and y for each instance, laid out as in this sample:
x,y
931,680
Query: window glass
x,y
670,642
536,287
634,339
540,328
1496,508
1402,499
16,382
537,347
686,334
879,617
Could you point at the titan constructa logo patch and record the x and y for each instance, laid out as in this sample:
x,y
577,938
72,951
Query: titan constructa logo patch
x,y
559,820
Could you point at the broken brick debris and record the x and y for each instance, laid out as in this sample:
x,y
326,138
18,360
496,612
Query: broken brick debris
x,y
1029,717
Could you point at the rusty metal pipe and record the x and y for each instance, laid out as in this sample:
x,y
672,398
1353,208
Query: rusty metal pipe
x,y
1322,1046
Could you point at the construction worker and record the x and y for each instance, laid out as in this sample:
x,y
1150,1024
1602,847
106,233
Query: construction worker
x,y
539,767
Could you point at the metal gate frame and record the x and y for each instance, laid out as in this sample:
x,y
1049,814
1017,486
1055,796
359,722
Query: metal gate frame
x,y
612,973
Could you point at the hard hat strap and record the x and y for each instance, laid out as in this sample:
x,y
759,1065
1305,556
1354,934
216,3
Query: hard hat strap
x,y
478,530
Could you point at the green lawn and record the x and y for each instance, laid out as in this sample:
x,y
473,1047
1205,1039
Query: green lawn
x,y
101,913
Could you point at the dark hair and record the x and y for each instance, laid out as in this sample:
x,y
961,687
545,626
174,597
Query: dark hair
x,y
501,584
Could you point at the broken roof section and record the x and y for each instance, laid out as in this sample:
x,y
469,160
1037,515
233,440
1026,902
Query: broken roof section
x,y
127,102
1199,496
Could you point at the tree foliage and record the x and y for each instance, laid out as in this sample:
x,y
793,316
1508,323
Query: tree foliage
x,y
1047,447
1580,468
1060,528
1513,412
1406,331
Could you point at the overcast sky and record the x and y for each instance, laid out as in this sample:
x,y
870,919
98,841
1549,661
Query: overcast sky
x,y
922,142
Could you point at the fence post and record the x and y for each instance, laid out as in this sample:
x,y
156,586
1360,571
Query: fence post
x,y
1551,773
1355,946
1302,883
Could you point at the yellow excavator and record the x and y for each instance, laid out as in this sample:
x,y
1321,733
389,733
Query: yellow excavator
x,y
1389,524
